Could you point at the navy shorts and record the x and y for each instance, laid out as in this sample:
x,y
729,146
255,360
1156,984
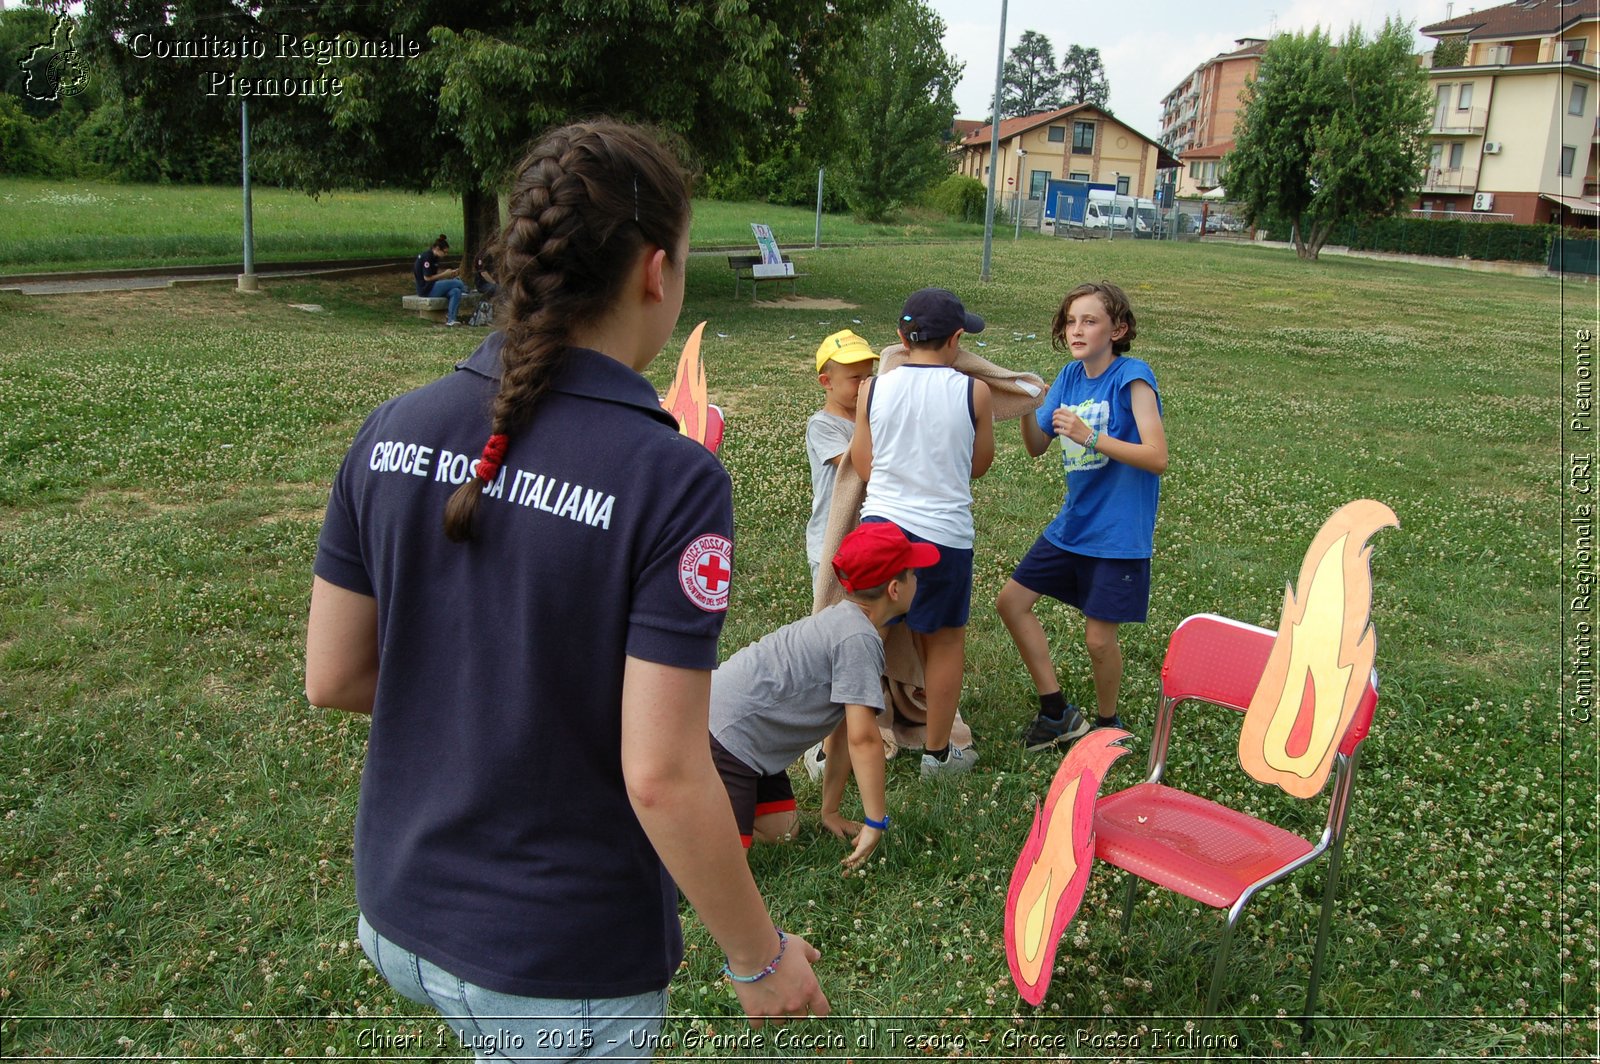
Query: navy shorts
x,y
751,793
944,590
1115,590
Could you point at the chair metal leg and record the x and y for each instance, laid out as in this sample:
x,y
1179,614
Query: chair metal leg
x,y
1323,924
1127,903
1222,964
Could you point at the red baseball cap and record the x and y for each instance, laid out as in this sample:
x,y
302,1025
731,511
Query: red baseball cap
x,y
876,553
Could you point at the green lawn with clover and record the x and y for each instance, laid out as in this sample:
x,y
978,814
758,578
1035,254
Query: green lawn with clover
x,y
175,821
73,224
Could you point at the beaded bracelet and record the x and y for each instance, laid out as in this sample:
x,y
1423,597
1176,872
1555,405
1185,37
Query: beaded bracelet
x,y
783,944
881,825
1094,438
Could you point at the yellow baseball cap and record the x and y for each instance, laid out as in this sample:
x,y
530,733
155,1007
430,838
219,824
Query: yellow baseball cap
x,y
844,347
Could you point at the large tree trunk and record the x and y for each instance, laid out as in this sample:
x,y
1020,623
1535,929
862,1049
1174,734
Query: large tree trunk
x,y
480,223
1320,231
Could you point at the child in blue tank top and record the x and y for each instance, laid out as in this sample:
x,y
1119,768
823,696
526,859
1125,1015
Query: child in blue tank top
x,y
1095,555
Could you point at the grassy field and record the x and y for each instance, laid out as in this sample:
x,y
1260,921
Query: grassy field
x,y
81,225
175,821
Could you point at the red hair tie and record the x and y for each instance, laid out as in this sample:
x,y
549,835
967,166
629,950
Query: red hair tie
x,y
494,452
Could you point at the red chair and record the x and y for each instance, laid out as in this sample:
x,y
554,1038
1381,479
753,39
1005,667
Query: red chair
x,y
1204,850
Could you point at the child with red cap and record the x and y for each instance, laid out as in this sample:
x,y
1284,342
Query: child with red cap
x,y
820,678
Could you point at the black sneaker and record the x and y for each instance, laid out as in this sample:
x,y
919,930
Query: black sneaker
x,y
1114,722
1044,733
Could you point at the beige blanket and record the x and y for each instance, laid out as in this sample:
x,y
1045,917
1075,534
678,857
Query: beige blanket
x,y
1014,394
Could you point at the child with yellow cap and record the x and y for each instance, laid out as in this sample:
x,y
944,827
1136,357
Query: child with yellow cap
x,y
844,361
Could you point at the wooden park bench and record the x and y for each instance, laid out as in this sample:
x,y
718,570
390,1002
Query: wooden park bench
x,y
433,308
743,267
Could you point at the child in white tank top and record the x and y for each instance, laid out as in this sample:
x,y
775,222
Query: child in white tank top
x,y
923,433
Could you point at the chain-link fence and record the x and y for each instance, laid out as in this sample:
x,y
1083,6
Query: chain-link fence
x,y
1108,217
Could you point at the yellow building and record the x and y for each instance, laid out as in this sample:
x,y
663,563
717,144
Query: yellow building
x,y
1514,130
1080,143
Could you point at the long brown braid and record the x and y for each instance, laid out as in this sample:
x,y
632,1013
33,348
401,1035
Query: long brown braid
x,y
587,200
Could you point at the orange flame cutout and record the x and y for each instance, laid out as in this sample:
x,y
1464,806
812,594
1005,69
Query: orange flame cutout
x,y
688,400
1322,657
1052,871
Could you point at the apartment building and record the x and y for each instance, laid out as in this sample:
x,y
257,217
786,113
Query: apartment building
x,y
1514,133
1197,117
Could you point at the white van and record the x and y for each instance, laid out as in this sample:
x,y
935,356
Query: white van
x,y
1103,210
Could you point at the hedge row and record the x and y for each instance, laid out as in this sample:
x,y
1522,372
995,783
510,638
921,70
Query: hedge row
x,y
1501,241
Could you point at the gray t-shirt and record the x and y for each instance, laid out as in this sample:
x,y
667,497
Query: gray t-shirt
x,y
788,690
827,437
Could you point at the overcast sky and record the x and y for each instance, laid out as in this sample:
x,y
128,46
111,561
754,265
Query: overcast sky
x,y
1149,47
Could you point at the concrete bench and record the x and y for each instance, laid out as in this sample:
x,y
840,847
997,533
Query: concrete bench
x,y
434,308
743,267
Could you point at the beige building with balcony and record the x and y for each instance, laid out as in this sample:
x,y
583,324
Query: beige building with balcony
x,y
1514,134
1079,143
1197,117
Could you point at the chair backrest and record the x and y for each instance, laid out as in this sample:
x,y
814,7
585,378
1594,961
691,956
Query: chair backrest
x,y
1220,660
1215,659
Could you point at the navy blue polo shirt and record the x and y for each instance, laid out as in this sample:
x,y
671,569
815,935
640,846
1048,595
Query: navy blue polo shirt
x,y
494,835
424,266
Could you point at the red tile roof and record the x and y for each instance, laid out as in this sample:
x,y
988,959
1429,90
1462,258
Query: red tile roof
x,y
1523,18
1010,127
1209,151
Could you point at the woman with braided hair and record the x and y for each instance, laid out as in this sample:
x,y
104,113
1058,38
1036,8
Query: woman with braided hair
x,y
522,577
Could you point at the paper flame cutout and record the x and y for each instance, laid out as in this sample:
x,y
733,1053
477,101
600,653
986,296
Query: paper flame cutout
x,y
1052,871
688,400
1320,661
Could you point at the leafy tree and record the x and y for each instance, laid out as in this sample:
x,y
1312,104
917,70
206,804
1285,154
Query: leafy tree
x,y
900,114
21,31
1329,137
1083,78
1450,52
490,76
1030,82
41,118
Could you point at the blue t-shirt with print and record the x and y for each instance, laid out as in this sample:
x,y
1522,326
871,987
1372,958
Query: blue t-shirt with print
x,y
1110,507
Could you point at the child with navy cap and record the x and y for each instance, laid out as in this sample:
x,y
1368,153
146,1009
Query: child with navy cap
x,y
924,432
818,678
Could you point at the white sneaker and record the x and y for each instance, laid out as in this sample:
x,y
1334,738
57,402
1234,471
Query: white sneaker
x,y
813,758
960,761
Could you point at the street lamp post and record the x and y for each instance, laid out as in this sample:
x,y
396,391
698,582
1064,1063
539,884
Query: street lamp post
x,y
1111,222
994,148
1022,159
247,280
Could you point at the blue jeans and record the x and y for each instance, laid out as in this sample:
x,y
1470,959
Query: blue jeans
x,y
504,1027
451,287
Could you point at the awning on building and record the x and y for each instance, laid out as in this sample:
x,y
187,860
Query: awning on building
x,y
1576,204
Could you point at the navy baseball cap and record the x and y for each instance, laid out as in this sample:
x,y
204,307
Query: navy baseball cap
x,y
935,313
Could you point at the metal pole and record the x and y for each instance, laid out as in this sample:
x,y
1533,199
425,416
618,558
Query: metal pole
x,y
247,280
816,241
1111,222
994,147
1022,161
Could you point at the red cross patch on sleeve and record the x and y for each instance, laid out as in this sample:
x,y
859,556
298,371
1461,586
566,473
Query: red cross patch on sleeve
x,y
705,572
